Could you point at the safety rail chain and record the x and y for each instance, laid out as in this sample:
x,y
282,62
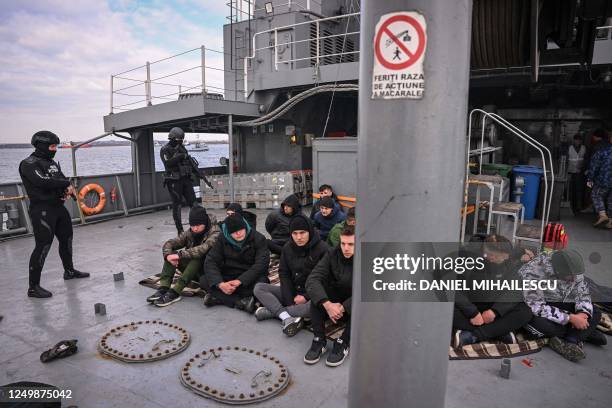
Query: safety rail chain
x,y
181,89
317,38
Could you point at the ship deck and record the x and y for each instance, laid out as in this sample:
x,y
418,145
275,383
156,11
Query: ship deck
x,y
132,246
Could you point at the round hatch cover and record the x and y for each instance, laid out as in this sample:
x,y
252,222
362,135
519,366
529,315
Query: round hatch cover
x,y
235,375
144,341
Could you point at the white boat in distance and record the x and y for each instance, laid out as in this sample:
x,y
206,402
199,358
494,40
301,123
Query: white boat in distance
x,y
197,146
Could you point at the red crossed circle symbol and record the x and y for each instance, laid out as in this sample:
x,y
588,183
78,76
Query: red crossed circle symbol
x,y
412,57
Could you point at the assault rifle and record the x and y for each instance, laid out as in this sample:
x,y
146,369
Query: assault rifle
x,y
195,166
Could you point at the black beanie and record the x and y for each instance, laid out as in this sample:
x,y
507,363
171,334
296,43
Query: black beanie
x,y
198,216
567,262
235,207
234,223
326,202
299,222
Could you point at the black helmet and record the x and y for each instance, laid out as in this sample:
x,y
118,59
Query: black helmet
x,y
44,137
176,133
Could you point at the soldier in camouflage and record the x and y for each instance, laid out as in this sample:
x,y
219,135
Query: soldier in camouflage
x,y
600,180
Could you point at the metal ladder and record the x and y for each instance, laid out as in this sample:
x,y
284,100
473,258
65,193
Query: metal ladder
x,y
521,231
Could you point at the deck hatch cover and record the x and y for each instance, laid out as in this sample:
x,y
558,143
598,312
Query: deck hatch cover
x,y
144,341
235,375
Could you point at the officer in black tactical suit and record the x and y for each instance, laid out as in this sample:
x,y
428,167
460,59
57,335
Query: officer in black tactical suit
x,y
179,174
47,189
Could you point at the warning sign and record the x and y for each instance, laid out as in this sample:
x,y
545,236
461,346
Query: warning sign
x,y
399,51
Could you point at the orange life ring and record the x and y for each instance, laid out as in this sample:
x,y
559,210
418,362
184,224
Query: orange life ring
x,y
101,203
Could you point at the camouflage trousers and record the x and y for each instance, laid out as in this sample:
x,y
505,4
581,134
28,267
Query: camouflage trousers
x,y
602,199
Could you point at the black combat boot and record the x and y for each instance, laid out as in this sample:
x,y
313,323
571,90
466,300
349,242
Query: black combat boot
x,y
74,274
37,291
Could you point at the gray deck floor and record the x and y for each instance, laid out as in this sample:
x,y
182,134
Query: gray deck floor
x,y
132,246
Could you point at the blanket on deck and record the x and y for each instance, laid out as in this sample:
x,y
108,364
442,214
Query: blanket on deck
x,y
484,350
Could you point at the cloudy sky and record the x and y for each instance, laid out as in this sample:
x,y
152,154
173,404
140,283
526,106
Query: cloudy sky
x,y
57,57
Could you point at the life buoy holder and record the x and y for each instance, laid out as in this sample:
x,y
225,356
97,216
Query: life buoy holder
x,y
101,202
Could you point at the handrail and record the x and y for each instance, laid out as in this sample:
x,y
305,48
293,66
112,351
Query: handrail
x,y
275,30
127,102
552,172
529,140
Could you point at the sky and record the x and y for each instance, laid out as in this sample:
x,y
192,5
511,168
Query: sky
x,y
57,58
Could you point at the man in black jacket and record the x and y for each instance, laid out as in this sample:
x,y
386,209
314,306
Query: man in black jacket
x,y
239,259
47,189
277,223
289,302
178,177
491,315
330,287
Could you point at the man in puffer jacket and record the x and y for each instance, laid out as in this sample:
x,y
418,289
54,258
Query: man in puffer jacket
x,y
329,215
277,223
330,287
289,302
239,259
185,253
566,313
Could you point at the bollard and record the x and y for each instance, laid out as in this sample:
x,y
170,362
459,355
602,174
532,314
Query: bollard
x,y
118,276
100,309
504,371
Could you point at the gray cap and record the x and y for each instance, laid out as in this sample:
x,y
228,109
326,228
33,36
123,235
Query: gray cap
x,y
567,262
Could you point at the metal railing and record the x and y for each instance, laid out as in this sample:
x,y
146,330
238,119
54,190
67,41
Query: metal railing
x,y
317,38
544,153
242,10
194,77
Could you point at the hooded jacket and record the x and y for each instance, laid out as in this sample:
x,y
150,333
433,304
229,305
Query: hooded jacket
x,y
226,261
325,224
43,179
333,238
296,264
575,291
333,272
277,222
189,246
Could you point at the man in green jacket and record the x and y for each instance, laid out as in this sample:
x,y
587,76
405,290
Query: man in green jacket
x,y
185,253
333,239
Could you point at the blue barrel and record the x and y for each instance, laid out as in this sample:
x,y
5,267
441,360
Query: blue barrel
x,y
532,176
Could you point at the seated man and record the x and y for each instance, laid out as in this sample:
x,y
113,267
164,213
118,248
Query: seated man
x,y
329,215
564,314
329,287
277,223
325,190
185,253
333,239
249,217
491,315
289,301
239,259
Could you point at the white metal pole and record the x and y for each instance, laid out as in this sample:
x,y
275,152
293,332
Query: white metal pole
x,y
203,52
112,92
148,84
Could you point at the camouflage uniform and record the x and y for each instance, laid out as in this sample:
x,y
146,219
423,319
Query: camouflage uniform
x,y
574,291
600,174
552,308
191,255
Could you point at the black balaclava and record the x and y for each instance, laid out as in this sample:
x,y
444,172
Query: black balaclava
x,y
42,140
